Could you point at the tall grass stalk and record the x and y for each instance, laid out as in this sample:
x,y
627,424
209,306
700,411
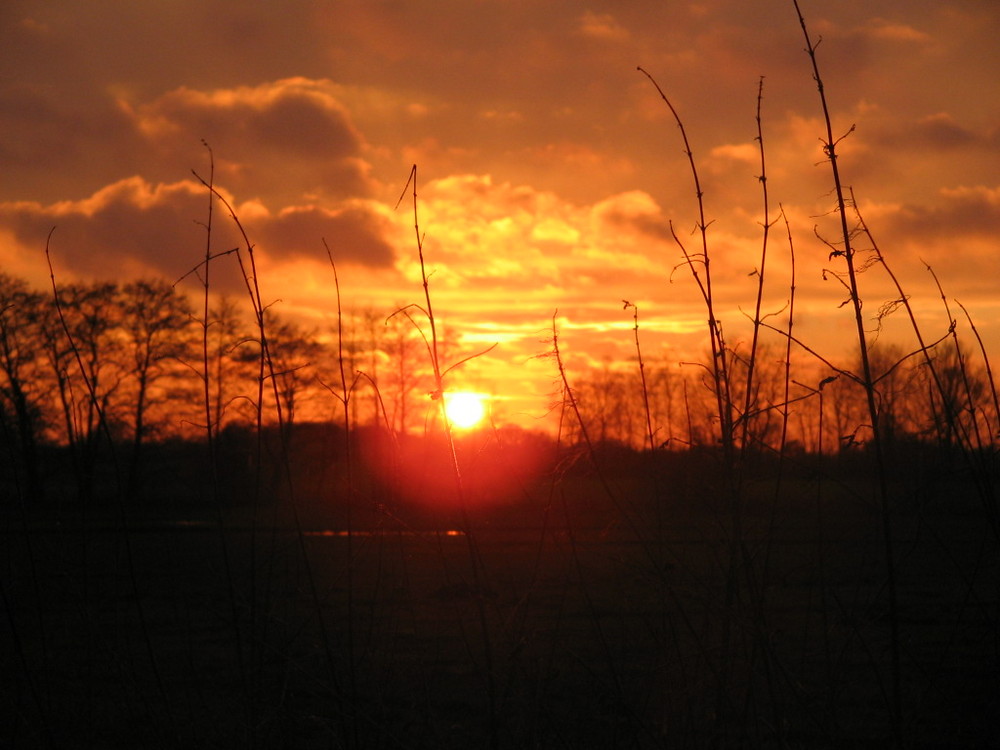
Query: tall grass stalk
x,y
719,367
345,397
267,372
762,631
666,588
766,224
974,453
475,558
739,558
104,430
994,431
642,376
847,252
212,424
976,447
974,441
570,398
786,400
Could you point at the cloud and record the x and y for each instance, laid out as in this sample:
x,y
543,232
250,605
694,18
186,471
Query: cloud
x,y
962,212
133,228
296,128
359,232
49,150
129,226
942,131
296,117
635,212
885,30
601,26
739,152
32,125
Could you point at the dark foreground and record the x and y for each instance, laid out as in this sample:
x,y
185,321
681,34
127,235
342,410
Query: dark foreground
x,y
570,630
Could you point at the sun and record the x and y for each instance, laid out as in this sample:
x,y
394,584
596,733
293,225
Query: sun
x,y
465,409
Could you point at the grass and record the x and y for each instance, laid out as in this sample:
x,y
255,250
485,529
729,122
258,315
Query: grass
x,y
595,645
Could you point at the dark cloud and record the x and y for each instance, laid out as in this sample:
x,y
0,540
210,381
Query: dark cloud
x,y
493,81
941,131
294,128
635,212
936,134
298,118
73,50
129,223
957,213
132,227
354,234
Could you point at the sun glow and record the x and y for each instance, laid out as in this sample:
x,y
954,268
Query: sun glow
x,y
465,409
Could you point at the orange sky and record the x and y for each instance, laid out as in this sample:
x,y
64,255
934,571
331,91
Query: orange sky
x,y
549,168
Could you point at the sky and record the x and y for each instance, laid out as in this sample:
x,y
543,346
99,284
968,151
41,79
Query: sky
x,y
549,170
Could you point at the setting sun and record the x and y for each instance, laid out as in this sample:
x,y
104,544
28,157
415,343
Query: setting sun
x,y
465,409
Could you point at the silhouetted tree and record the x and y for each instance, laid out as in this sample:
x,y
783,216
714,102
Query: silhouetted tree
x,y
955,397
157,324
293,351
894,376
22,388
233,355
405,372
665,402
82,344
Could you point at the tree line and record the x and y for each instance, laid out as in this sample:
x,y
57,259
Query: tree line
x,y
825,407
103,363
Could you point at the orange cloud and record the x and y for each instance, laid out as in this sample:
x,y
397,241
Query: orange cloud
x,y
955,214
294,127
883,29
134,228
601,26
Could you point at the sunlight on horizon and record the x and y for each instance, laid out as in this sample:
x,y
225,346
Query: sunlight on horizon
x,y
465,409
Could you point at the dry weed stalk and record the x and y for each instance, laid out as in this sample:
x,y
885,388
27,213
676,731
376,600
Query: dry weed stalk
x,y
847,252
266,372
719,367
479,572
642,375
104,430
740,565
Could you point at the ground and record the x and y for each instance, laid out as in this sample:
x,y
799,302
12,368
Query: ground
x,y
572,619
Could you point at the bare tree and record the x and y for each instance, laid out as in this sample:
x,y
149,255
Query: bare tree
x,y
22,388
294,352
232,353
157,325
893,376
83,345
406,372
954,403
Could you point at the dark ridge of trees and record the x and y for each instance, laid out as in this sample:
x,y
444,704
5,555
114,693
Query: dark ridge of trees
x,y
23,390
124,362
912,408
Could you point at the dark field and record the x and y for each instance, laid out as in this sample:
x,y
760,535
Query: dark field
x,y
568,621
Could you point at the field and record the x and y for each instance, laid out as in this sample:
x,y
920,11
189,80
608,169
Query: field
x,y
572,618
